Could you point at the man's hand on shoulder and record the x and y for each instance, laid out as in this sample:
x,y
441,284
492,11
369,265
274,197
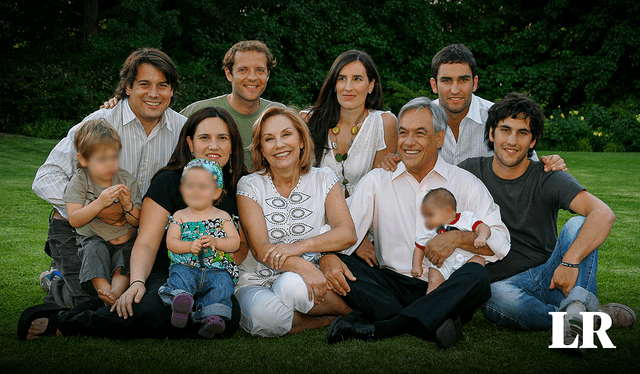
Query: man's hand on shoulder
x,y
553,163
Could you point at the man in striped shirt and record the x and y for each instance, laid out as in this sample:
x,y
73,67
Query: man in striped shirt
x,y
149,130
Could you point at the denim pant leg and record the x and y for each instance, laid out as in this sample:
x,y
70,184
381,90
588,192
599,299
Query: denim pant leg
x,y
61,242
524,300
182,278
214,295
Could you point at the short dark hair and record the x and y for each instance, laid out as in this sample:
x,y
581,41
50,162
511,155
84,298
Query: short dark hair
x,y
443,196
517,106
153,57
247,45
325,114
182,154
454,54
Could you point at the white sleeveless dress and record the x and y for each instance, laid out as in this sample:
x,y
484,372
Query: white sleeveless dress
x,y
368,141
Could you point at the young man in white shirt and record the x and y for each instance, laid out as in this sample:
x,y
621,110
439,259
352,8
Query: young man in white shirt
x,y
454,79
391,301
149,130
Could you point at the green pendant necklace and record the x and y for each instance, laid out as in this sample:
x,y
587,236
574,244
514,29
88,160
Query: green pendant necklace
x,y
341,158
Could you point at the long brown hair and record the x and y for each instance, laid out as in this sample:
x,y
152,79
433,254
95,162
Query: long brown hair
x,y
182,154
326,112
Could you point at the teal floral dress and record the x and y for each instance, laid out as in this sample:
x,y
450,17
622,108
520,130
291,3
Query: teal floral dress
x,y
214,259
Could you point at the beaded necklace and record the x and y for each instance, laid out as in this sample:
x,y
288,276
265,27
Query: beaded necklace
x,y
341,158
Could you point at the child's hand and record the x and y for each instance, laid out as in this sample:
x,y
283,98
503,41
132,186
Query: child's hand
x,y
416,271
209,241
196,246
108,196
125,198
480,242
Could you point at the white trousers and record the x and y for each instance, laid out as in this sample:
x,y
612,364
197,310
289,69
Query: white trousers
x,y
268,312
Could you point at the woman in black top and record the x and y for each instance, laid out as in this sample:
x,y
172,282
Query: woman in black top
x,y
139,312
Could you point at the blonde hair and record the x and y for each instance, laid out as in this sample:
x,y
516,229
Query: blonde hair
x,y
307,157
93,135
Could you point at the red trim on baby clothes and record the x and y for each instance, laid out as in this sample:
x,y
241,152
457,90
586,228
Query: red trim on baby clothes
x,y
420,246
475,225
455,220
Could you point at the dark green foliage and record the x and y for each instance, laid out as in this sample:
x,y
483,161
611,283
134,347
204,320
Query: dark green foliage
x,y
562,52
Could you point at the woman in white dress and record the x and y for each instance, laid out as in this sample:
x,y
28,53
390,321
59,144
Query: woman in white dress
x,y
286,208
351,132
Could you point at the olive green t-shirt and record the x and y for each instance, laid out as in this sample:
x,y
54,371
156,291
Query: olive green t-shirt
x,y
244,122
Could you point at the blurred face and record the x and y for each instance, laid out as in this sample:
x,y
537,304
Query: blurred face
x,y
512,140
281,143
199,189
211,140
103,164
150,95
454,87
249,76
417,143
353,86
435,216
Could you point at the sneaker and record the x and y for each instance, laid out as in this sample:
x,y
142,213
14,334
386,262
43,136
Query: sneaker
x,y
573,330
47,276
621,315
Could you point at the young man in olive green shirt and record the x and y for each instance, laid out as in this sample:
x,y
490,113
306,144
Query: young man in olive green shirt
x,y
247,66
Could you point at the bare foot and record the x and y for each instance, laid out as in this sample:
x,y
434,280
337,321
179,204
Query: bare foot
x,y
38,327
109,298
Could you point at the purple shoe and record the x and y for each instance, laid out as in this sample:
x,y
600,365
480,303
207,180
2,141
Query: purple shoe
x,y
211,326
181,307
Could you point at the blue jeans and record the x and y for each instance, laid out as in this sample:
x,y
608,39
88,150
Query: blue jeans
x,y
210,288
524,300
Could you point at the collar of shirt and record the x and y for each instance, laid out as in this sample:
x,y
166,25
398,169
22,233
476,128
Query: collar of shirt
x,y
128,116
441,168
474,111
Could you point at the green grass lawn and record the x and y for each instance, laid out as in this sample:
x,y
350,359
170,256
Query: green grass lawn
x,y
484,347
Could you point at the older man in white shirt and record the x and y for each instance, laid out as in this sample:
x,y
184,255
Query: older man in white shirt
x,y
387,203
149,131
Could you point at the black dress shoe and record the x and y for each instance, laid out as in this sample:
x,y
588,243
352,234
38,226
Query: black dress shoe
x,y
341,329
449,333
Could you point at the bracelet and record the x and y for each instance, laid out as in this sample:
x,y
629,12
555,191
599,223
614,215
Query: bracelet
x,y
570,265
137,281
130,210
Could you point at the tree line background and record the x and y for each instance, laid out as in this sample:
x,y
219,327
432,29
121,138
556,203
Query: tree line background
x,y
579,59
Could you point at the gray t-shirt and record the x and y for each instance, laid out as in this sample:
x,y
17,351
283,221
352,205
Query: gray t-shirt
x,y
243,121
82,190
529,208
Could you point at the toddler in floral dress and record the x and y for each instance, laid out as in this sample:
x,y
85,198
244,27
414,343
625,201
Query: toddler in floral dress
x,y
199,239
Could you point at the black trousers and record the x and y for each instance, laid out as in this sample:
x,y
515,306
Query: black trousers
x,y
62,247
382,294
151,318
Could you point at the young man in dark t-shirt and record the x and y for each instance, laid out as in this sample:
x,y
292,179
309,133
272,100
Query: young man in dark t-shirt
x,y
543,272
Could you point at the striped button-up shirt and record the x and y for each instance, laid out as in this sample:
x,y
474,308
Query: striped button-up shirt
x,y
141,155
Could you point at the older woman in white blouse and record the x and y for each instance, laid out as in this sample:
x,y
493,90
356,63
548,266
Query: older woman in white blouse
x,y
291,213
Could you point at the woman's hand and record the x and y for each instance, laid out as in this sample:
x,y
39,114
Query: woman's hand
x,y
316,284
277,254
124,305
